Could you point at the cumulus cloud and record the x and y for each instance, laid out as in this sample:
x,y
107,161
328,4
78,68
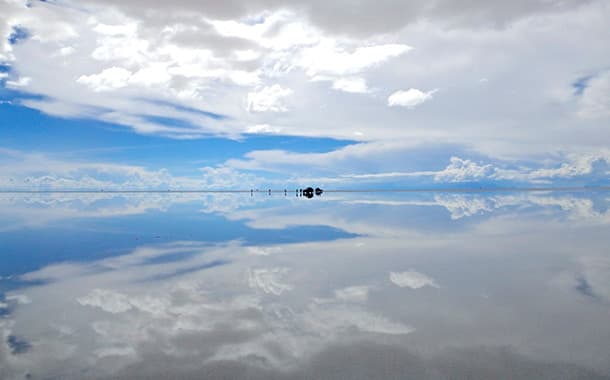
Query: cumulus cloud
x,y
578,209
35,171
366,17
353,294
109,79
355,85
268,280
461,170
107,300
262,69
268,99
223,177
36,210
590,165
386,162
343,318
122,315
264,251
460,206
412,279
409,98
579,165
329,59
206,64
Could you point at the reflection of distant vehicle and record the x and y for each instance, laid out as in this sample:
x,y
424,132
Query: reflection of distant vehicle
x,y
309,192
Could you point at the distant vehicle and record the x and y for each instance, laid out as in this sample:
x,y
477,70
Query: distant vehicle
x,y
308,192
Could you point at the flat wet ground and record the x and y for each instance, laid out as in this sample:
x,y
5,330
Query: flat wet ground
x,y
405,285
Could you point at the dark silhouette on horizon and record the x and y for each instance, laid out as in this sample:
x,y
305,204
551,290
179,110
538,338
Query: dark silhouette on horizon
x,y
309,192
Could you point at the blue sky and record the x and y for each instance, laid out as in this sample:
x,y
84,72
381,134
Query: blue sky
x,y
126,95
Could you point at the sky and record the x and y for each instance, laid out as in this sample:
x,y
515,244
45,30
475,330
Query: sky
x,y
268,94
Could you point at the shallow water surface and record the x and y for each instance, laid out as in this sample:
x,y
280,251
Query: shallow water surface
x,y
343,286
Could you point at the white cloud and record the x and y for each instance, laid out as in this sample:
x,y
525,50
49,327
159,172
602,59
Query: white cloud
x,y
263,128
367,18
412,279
460,170
268,99
327,58
337,319
21,299
384,161
223,177
115,351
152,75
264,251
409,98
578,165
107,300
206,64
169,318
460,206
573,165
33,171
353,294
35,210
594,102
213,61
109,79
596,271
352,84
269,280
21,82
66,51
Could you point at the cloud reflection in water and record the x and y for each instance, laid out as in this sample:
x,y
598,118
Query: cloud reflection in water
x,y
422,285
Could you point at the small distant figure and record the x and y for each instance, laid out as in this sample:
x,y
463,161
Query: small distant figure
x,y
269,191
285,192
251,192
319,191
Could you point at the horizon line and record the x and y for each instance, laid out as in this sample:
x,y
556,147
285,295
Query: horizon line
x,y
267,191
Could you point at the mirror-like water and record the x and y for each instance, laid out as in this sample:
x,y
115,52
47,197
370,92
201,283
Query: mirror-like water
x,y
511,285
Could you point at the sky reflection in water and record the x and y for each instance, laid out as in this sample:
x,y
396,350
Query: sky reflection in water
x,y
367,285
